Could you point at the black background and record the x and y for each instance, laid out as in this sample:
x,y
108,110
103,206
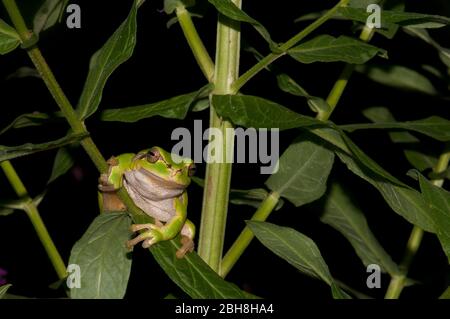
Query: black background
x,y
162,66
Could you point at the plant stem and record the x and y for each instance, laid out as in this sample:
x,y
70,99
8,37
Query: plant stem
x,y
270,58
218,174
398,282
246,236
198,48
33,213
341,84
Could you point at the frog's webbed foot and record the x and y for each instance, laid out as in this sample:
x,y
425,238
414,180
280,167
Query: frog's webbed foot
x,y
149,237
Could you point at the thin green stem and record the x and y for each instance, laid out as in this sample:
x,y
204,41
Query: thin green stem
x,y
218,174
198,48
246,236
341,84
270,58
398,282
35,218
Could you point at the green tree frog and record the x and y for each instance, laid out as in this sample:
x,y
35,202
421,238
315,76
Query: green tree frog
x,y
156,181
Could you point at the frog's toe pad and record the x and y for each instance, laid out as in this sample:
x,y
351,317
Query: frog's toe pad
x,y
187,246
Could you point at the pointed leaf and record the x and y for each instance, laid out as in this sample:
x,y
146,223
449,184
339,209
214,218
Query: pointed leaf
x,y
62,164
3,290
297,249
27,120
175,107
390,17
117,50
303,172
48,14
230,10
417,158
445,294
399,77
438,200
10,152
434,126
9,39
101,255
253,111
341,214
404,200
326,48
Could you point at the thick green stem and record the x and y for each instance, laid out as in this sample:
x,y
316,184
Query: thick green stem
x,y
398,282
198,48
246,236
218,174
33,213
270,58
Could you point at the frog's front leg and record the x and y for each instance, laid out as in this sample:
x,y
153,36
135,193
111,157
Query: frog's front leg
x,y
158,232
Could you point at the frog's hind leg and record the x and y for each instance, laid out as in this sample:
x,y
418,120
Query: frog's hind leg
x,y
187,239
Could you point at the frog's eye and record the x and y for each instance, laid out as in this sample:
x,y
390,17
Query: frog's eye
x,y
153,156
191,170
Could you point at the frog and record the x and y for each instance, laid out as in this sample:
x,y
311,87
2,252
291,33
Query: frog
x,y
156,181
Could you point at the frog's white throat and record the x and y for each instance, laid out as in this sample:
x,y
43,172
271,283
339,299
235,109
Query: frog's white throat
x,y
150,186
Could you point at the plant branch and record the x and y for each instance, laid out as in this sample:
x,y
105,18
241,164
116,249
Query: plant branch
x,y
218,174
270,58
35,218
195,43
398,282
61,100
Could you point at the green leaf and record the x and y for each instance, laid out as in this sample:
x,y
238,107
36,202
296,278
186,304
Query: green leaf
x,y
175,107
445,294
253,111
4,289
417,158
438,200
435,127
390,17
6,211
444,53
404,200
101,255
50,12
342,214
115,51
27,120
24,72
10,152
171,5
9,38
303,172
398,77
326,48
62,164
193,275
297,249
230,10
288,85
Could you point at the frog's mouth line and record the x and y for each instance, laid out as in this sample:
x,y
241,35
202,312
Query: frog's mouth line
x,y
162,182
